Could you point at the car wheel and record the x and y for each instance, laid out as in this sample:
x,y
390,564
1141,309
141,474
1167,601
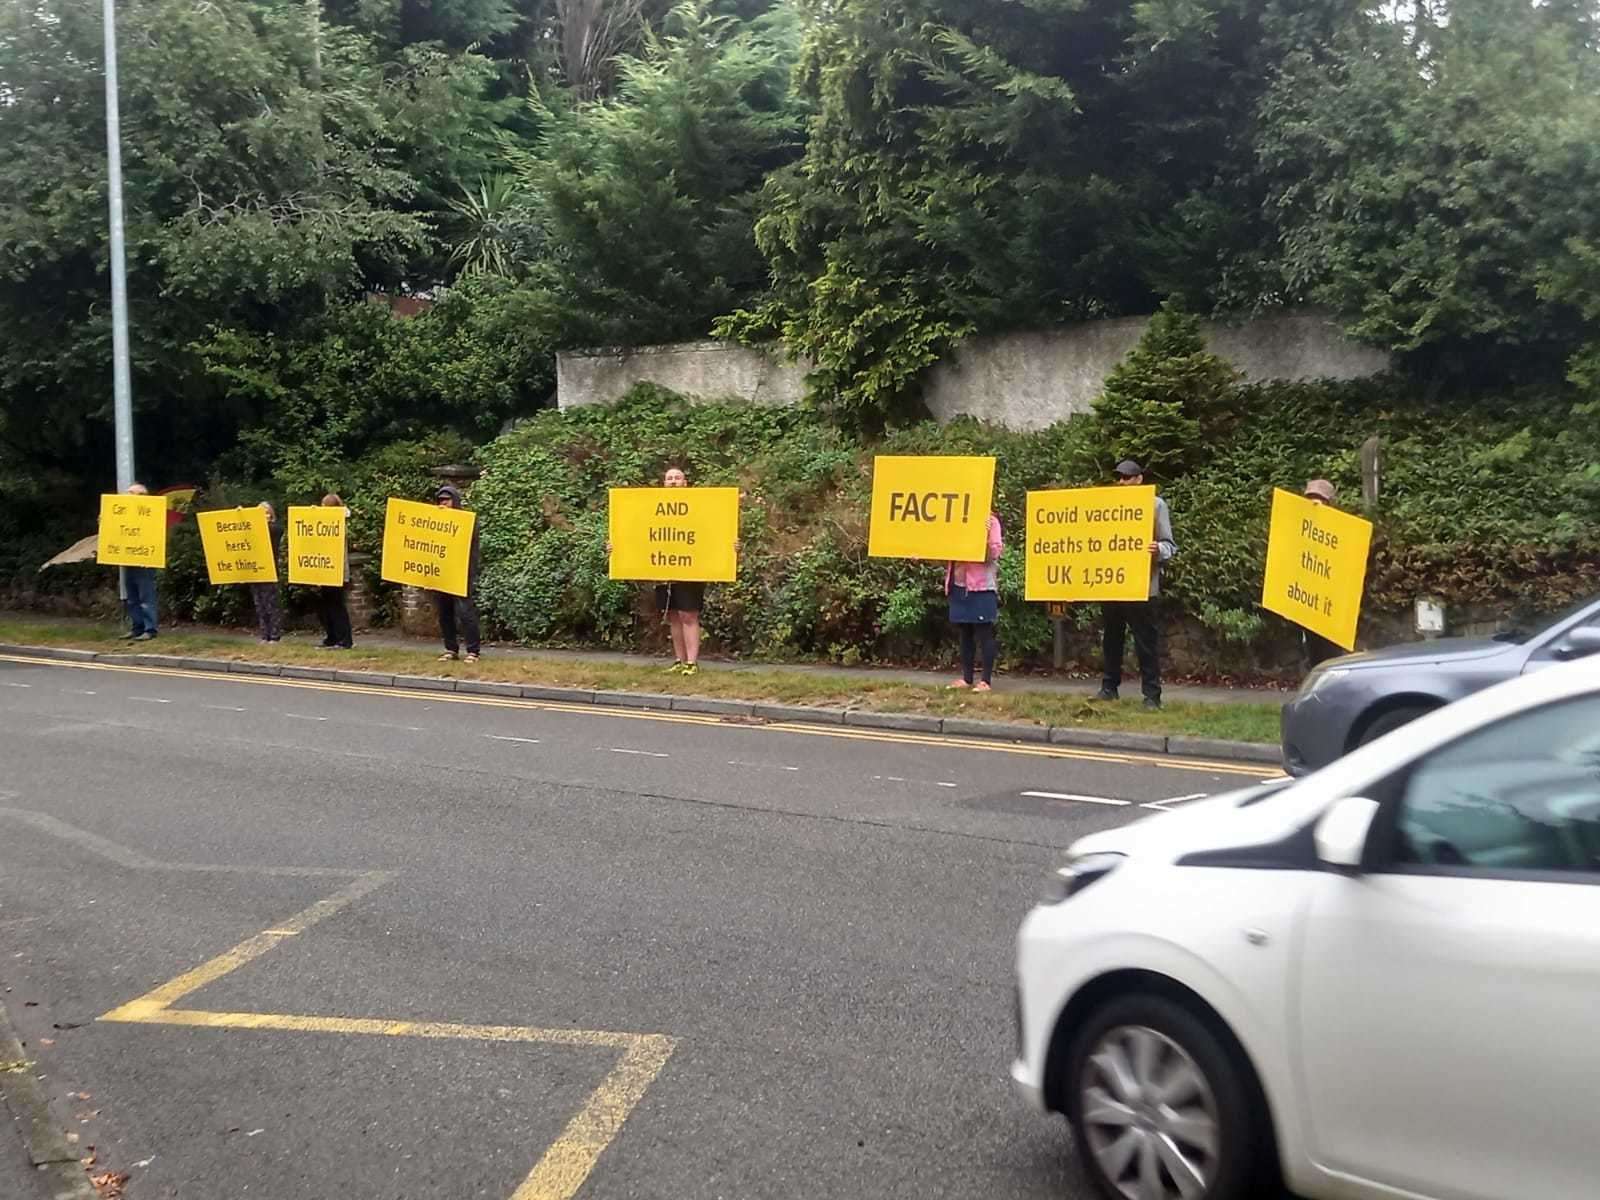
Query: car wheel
x,y
1158,1107
1387,722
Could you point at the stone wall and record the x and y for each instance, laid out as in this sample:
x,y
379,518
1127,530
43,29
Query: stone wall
x,y
1021,380
1033,380
709,370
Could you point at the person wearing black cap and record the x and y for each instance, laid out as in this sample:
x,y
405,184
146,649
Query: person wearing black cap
x,y
1138,615
459,611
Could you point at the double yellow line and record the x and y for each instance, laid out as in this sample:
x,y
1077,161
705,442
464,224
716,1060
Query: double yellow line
x,y
895,737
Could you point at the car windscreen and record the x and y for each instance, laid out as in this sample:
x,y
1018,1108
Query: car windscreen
x,y
1524,631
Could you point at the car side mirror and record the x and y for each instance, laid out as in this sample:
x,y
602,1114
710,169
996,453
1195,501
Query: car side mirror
x,y
1580,643
1341,833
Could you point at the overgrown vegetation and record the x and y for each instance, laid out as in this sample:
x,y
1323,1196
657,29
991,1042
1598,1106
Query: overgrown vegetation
x,y
807,587
869,182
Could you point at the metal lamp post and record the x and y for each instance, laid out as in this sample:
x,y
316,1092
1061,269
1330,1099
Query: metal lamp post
x,y
121,379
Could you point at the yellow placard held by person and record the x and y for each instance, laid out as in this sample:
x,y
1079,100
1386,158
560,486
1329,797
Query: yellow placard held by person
x,y
931,506
1087,544
676,534
133,531
427,546
316,545
1316,566
237,545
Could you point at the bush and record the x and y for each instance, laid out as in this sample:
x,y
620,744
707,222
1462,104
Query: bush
x,y
1487,501
1159,397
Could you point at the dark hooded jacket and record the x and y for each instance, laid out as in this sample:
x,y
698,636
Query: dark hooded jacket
x,y
473,558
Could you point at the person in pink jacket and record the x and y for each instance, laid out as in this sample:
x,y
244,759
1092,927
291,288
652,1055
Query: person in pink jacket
x,y
973,589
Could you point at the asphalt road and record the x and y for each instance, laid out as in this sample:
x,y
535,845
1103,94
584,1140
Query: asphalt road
x,y
362,944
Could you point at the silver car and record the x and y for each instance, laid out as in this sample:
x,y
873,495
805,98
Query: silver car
x,y
1349,701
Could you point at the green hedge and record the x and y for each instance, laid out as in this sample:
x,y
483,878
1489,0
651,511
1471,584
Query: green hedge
x,y
1487,501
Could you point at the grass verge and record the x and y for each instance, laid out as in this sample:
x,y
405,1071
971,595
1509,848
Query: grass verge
x,y
1243,722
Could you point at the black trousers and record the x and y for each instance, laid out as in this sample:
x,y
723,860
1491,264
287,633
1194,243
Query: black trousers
x,y
335,617
1140,616
457,611
269,613
1319,649
973,638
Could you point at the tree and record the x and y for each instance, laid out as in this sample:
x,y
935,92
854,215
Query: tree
x,y
266,171
496,231
358,377
1433,180
973,167
592,34
647,197
1165,399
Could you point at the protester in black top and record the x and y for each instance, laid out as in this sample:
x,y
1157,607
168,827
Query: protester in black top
x,y
269,612
330,600
459,612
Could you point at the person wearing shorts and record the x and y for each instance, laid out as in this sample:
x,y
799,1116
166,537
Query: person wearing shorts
x,y
681,602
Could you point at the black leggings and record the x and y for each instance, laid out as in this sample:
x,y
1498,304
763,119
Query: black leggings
x,y
972,637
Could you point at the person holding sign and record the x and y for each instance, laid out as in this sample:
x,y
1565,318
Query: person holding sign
x,y
973,589
680,538
1316,564
1318,649
1138,615
331,605
459,612
682,601
141,587
269,612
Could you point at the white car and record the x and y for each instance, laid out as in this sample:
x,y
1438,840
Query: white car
x,y
1382,980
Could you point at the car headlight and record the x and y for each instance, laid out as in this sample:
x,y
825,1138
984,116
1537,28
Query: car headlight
x,y
1320,679
1078,874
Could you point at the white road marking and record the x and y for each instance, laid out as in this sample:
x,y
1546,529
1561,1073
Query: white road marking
x,y
644,753
498,737
226,708
917,782
21,685
82,692
1161,805
304,717
1075,796
150,699
762,766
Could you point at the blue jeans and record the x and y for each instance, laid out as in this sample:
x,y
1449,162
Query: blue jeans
x,y
141,599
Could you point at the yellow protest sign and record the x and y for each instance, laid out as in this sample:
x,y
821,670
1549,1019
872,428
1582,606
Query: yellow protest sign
x,y
1316,566
1090,543
133,531
316,545
674,534
931,506
237,545
427,546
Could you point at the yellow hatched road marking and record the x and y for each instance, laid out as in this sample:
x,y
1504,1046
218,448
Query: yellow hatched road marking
x,y
565,1165
1257,771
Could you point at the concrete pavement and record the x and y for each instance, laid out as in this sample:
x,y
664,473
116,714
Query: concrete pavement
x,y
354,943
